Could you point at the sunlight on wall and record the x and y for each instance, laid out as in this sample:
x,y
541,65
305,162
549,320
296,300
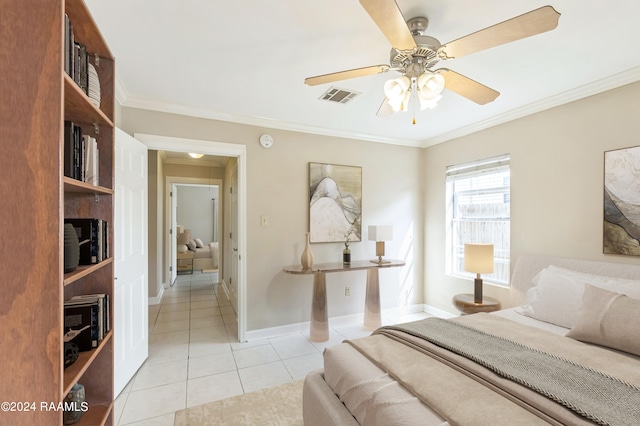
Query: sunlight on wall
x,y
407,284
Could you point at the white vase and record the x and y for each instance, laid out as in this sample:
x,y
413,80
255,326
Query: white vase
x,y
307,257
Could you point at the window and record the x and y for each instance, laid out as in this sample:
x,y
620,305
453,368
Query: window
x,y
478,211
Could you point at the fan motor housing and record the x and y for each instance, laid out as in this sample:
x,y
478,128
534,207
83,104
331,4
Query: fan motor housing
x,y
425,54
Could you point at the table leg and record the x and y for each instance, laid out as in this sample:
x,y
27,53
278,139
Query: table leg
x,y
372,318
319,322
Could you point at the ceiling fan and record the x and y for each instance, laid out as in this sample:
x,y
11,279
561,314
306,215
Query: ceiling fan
x,y
415,54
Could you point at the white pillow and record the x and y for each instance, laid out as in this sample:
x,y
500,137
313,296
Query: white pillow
x,y
557,294
199,243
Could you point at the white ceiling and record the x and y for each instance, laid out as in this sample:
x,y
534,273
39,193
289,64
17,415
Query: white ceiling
x,y
245,61
174,157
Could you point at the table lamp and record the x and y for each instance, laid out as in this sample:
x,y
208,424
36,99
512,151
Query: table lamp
x,y
380,234
478,258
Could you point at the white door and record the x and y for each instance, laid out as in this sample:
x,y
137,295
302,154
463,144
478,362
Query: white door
x,y
233,240
174,232
131,340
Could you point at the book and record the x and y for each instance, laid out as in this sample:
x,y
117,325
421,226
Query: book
x,y
69,153
102,301
67,37
90,159
83,72
93,235
87,235
78,325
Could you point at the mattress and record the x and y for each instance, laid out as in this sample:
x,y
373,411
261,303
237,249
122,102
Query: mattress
x,y
374,398
202,253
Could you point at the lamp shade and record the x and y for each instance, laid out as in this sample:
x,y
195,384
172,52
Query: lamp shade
x,y
380,232
430,85
478,258
184,237
396,88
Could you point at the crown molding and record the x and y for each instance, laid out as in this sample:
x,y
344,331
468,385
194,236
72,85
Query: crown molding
x,y
626,77
617,80
159,106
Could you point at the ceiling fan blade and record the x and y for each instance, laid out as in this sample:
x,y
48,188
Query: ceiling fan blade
x,y
385,109
344,75
387,16
529,24
470,89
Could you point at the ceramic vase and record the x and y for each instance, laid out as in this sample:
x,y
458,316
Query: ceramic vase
x,y
71,248
73,404
307,257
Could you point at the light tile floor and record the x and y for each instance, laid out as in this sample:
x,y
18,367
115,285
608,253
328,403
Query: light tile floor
x,y
195,357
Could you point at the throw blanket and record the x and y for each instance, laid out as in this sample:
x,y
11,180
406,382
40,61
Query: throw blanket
x,y
519,383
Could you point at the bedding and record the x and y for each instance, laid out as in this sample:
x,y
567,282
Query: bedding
x,y
396,375
608,319
557,293
206,257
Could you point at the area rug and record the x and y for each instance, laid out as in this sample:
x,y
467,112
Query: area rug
x,y
279,405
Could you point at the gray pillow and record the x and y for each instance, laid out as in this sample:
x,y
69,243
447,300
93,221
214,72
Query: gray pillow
x,y
608,319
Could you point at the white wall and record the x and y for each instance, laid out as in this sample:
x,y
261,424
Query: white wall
x,y
556,184
557,159
277,186
196,210
156,218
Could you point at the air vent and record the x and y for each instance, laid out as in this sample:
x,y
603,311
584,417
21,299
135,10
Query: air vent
x,y
340,96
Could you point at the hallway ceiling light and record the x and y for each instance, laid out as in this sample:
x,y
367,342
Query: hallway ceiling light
x,y
193,155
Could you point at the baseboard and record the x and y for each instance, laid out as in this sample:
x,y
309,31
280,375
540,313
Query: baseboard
x,y
228,294
436,312
303,327
157,299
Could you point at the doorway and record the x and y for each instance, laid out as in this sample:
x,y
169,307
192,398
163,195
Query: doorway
x,y
194,204
165,143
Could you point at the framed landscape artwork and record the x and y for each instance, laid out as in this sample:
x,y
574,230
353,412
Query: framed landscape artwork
x,y
335,202
622,202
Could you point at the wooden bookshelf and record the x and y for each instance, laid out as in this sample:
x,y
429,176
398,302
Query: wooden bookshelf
x,y
38,96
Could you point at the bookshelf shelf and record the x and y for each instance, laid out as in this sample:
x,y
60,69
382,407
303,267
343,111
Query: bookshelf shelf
x,y
75,186
95,415
79,106
85,270
75,371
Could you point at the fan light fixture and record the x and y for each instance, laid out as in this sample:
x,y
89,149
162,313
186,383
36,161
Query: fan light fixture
x,y
193,155
427,87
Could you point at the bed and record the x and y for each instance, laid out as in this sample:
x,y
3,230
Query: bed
x,y
205,256
567,352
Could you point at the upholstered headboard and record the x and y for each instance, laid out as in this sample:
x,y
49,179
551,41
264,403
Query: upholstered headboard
x,y
527,266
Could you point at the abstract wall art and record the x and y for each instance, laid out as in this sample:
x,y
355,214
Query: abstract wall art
x,y
622,202
335,202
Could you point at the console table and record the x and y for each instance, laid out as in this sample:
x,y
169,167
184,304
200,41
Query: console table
x,y
319,319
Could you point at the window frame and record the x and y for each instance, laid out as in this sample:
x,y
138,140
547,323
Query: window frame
x,y
455,254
